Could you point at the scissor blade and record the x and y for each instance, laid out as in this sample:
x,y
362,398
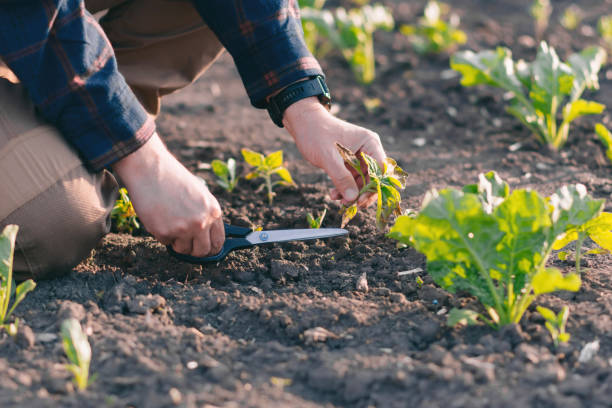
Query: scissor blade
x,y
262,237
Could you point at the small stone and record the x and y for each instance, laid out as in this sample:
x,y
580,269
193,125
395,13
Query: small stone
x,y
175,396
588,351
528,353
25,337
398,298
141,304
362,283
382,292
484,371
192,365
280,269
317,335
45,337
419,142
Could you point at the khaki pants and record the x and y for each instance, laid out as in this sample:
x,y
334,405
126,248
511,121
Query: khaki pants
x,y
63,209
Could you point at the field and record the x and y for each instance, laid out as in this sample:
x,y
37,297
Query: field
x,y
238,334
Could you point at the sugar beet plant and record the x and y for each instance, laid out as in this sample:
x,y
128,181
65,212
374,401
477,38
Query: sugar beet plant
x,y
351,32
495,244
383,181
539,89
78,351
266,167
555,324
433,34
8,289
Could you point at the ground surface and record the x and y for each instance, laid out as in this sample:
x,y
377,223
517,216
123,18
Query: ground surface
x,y
166,333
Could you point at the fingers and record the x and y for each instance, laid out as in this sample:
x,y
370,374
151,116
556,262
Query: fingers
x,y
217,236
183,245
373,147
343,179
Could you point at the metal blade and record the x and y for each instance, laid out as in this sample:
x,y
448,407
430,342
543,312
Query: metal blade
x,y
263,237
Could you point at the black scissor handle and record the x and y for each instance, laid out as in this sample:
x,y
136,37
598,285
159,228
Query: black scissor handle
x,y
229,245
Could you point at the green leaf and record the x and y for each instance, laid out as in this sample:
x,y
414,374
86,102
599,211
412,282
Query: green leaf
x,y
547,313
284,174
571,207
347,214
564,337
462,316
253,158
603,239
489,68
274,160
549,280
581,107
492,189
585,67
605,136
552,80
562,255
75,342
220,169
7,248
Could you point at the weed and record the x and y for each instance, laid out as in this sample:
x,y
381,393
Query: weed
x,y
555,323
316,222
226,173
123,213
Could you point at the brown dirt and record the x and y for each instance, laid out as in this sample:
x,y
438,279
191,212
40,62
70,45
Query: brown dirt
x,y
165,333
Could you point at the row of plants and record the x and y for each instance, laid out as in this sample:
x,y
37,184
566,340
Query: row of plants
x,y
74,340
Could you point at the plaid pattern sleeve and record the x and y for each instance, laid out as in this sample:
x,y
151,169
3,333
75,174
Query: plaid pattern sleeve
x,y
63,58
265,39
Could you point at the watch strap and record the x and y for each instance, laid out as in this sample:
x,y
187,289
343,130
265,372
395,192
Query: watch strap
x,y
314,86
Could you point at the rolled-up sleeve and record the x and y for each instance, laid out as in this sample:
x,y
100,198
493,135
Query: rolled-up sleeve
x,y
63,58
265,39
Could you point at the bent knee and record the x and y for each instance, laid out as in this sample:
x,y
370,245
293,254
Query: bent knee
x,y
61,225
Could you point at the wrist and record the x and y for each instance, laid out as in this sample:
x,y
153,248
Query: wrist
x,y
143,162
302,110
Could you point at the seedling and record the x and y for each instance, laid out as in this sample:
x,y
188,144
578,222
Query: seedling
x,y
599,229
316,222
383,181
606,138
538,89
495,244
572,17
226,173
78,351
555,323
266,167
123,213
7,283
350,31
604,26
540,11
419,282
433,35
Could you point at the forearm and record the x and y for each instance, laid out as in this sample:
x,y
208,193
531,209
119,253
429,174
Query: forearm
x,y
61,55
265,39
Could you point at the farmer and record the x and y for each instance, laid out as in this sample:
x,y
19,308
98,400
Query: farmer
x,y
78,99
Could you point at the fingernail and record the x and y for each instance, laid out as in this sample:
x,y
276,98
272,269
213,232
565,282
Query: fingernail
x,y
350,194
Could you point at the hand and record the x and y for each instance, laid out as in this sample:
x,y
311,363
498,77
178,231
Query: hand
x,y
173,204
316,131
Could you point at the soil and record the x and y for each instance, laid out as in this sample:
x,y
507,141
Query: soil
x,y
240,333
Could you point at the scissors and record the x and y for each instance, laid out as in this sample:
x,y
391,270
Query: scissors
x,y
241,238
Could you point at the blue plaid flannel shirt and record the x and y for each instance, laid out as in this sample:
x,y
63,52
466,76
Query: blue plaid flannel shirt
x,y
63,58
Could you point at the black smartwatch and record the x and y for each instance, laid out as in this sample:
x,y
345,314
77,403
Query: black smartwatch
x,y
314,86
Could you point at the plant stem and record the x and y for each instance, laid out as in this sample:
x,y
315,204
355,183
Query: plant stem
x,y
579,241
269,185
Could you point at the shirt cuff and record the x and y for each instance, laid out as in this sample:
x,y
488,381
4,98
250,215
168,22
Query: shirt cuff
x,y
275,64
